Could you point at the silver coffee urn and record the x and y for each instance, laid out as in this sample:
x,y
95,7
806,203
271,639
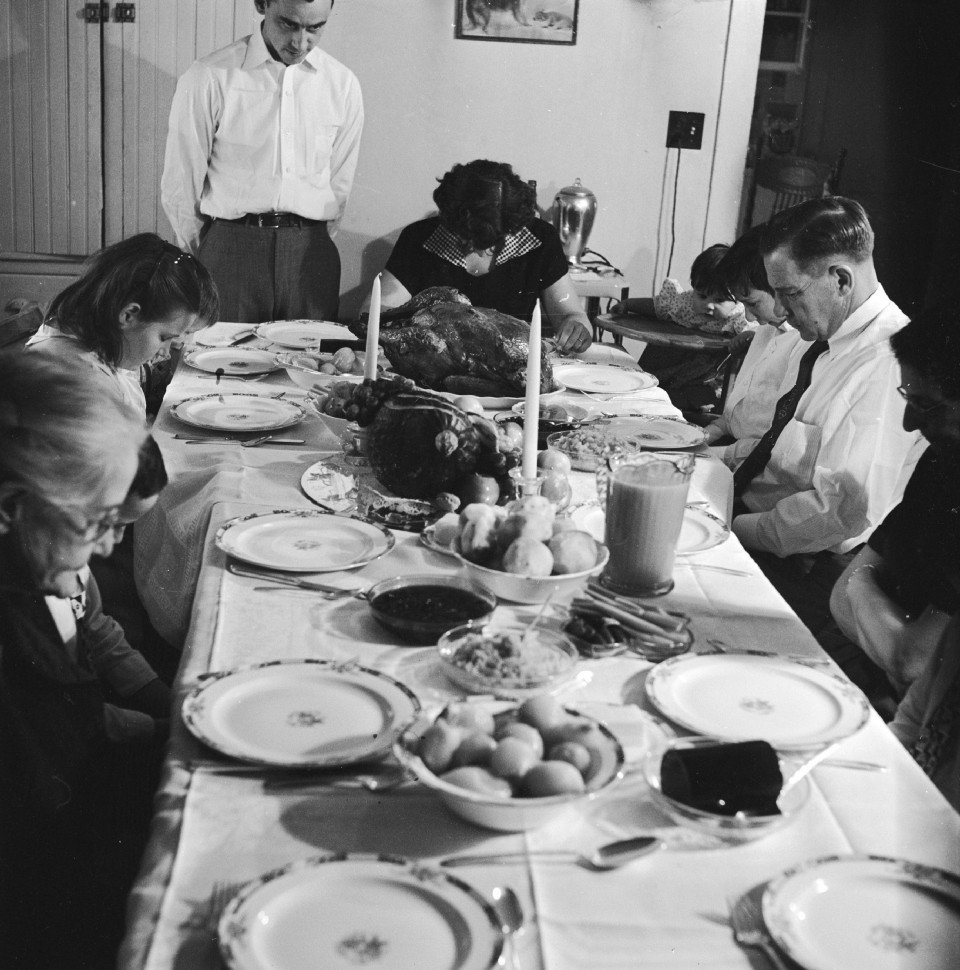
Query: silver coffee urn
x,y
575,208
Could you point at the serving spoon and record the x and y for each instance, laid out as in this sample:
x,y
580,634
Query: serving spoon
x,y
613,855
510,913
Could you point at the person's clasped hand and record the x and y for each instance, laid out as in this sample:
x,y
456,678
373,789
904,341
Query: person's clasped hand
x,y
573,337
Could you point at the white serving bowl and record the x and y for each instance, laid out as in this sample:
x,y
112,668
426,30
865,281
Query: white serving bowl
x,y
304,371
729,828
533,589
338,426
516,814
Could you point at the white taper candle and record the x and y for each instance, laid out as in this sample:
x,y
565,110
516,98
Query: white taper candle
x,y
373,333
531,406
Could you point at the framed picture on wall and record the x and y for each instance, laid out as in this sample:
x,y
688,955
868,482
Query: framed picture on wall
x,y
521,21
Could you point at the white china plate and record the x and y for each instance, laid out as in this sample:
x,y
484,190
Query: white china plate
x,y
591,378
222,333
233,361
866,913
346,911
325,484
303,540
743,697
238,412
700,529
303,333
494,403
574,414
656,431
300,713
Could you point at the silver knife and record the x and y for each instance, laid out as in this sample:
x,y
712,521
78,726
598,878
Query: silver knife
x,y
284,579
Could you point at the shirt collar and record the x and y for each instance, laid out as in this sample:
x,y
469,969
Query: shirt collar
x,y
257,54
443,243
874,305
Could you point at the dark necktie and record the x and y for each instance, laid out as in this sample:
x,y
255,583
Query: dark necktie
x,y
786,408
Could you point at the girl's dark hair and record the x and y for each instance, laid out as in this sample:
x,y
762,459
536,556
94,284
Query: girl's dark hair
x,y
930,344
741,268
703,273
151,475
143,269
483,201
820,228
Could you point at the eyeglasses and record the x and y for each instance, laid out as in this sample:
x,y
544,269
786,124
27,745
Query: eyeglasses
x,y
90,529
920,408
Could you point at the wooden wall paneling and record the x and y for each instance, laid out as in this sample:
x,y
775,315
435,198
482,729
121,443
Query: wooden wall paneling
x,y
6,131
118,170
39,80
86,122
59,162
22,125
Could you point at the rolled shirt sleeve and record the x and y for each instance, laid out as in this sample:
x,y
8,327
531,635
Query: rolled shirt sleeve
x,y
194,115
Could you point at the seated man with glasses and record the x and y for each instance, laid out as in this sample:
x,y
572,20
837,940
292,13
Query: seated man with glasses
x,y
896,597
835,458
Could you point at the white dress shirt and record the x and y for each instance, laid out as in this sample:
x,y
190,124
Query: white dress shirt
x,y
842,462
748,409
249,134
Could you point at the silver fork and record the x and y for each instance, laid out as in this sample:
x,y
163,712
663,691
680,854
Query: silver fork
x,y
746,921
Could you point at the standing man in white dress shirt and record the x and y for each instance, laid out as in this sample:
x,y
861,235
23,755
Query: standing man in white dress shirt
x,y
839,462
261,154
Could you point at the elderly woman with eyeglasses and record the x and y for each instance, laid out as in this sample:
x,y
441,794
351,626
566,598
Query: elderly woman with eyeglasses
x,y
77,774
131,302
896,597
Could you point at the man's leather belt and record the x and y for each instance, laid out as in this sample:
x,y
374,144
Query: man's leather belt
x,y
275,220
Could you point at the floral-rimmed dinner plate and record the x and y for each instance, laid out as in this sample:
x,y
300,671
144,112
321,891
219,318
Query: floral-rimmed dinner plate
x,y
756,695
865,912
595,378
656,431
238,412
304,540
299,334
233,361
700,530
344,911
323,482
300,713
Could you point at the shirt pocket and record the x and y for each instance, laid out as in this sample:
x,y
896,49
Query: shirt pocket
x,y
319,153
795,454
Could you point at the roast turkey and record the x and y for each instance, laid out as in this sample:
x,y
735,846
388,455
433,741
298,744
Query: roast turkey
x,y
441,341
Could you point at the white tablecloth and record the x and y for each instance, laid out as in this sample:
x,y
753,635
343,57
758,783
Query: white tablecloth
x,y
667,910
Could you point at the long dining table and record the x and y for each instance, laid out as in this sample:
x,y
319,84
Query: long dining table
x,y
215,829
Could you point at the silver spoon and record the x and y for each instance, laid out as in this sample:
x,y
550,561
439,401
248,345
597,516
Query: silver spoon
x,y
602,859
510,913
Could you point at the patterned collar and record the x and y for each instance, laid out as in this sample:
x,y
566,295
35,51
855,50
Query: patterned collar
x,y
443,243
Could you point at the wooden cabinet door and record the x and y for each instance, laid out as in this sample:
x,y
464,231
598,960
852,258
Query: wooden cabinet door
x,y
83,115
142,61
51,174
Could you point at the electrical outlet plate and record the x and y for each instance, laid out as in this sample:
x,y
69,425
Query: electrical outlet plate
x,y
685,129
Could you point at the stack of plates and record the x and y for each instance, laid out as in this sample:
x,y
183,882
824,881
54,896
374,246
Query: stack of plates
x,y
864,912
345,911
304,540
300,713
757,695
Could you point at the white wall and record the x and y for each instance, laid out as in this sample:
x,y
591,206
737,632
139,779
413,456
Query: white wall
x,y
597,111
